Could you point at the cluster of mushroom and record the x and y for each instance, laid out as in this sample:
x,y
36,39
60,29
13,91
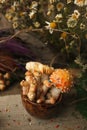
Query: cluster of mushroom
x,y
44,84
4,80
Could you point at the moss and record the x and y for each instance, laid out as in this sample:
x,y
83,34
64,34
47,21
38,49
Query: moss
x,y
82,108
82,94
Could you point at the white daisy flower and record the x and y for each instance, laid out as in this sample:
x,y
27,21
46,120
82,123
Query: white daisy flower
x,y
15,25
58,18
52,1
82,26
16,4
80,2
85,15
2,1
37,24
59,6
15,18
9,17
71,23
50,26
76,14
34,5
69,1
32,14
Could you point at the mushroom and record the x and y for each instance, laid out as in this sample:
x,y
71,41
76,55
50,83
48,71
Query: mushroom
x,y
45,87
44,83
37,76
32,92
51,100
4,80
25,87
62,81
53,95
7,76
44,77
29,77
36,66
1,76
2,84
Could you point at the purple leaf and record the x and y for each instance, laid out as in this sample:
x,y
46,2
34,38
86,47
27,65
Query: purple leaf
x,y
17,48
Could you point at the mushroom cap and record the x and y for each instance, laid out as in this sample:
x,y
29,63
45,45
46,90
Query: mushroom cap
x,y
62,79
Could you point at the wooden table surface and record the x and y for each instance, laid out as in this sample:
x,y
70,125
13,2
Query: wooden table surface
x,y
13,116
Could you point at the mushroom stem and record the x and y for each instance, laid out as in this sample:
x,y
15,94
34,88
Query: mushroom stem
x,y
50,101
32,92
53,95
25,87
2,85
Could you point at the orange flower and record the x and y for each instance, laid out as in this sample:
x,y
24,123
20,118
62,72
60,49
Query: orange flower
x,y
62,79
63,35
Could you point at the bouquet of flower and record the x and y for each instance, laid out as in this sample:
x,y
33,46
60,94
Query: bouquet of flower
x,y
62,23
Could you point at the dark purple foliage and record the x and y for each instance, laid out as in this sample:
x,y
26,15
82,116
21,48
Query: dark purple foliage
x,y
14,55
17,48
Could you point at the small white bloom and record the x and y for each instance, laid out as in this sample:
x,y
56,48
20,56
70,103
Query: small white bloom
x,y
58,18
80,3
52,1
23,13
9,17
85,2
21,1
86,35
34,5
71,23
32,14
37,24
76,14
85,15
51,7
49,13
15,25
15,18
86,8
82,26
13,8
16,4
2,1
69,1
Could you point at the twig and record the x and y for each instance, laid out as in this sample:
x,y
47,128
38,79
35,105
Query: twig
x,y
18,32
78,100
33,30
67,53
53,59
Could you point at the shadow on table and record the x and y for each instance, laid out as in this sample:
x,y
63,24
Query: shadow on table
x,y
11,90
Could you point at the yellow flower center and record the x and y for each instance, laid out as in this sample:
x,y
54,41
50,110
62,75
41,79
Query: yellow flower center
x,y
74,16
53,25
59,6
